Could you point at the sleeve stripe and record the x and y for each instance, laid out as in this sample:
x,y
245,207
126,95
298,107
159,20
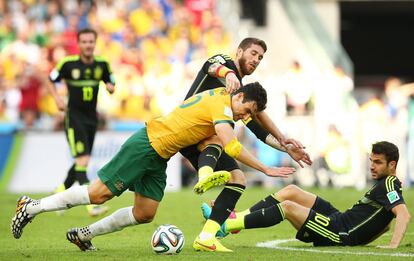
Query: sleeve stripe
x,y
389,183
224,121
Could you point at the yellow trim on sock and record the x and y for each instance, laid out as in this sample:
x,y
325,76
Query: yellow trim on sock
x,y
276,197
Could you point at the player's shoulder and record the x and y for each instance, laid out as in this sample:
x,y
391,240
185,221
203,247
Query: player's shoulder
x,y
220,58
67,60
390,183
70,58
216,92
101,58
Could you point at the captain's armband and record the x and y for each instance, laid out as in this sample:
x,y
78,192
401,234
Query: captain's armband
x,y
233,148
222,71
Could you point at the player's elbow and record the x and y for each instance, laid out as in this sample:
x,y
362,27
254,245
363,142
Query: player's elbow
x,y
233,148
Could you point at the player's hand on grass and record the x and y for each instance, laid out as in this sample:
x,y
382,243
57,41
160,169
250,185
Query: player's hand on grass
x,y
232,82
282,172
299,155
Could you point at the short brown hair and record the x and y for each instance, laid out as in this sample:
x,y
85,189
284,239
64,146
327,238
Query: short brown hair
x,y
254,92
87,31
247,42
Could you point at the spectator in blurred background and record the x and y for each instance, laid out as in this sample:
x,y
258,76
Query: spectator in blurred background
x,y
82,75
29,85
335,158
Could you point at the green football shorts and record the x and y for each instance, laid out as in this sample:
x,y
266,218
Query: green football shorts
x,y
137,167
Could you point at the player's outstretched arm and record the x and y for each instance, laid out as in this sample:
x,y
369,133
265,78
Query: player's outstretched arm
x,y
402,217
234,149
297,154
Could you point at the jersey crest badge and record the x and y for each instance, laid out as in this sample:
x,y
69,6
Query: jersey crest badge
x,y
87,73
75,74
97,73
228,112
392,196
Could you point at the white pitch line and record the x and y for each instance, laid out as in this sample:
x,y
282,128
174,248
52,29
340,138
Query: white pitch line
x,y
275,245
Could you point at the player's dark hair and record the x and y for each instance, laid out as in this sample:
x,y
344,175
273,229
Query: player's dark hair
x,y
87,31
247,42
254,92
388,149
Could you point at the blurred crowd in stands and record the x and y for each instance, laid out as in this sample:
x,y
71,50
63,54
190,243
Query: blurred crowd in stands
x,y
155,48
150,44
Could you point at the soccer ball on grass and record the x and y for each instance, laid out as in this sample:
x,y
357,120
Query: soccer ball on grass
x,y
167,239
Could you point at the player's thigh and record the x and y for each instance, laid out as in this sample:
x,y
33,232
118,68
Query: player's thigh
x,y
296,194
144,208
77,136
191,153
320,229
133,161
295,213
91,133
152,184
225,162
324,207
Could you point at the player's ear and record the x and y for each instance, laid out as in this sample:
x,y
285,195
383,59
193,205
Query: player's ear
x,y
393,164
240,96
239,52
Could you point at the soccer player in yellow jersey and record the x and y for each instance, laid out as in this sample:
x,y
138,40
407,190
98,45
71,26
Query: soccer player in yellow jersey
x,y
142,160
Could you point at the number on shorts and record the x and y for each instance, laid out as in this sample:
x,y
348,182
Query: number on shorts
x,y
322,220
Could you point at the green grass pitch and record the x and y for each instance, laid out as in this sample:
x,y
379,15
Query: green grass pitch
x,y
44,238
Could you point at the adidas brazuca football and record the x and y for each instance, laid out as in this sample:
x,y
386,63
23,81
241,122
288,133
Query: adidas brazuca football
x,y
167,239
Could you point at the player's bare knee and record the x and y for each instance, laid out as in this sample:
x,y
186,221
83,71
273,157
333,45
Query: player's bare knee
x,y
288,206
237,177
99,192
288,192
143,217
96,198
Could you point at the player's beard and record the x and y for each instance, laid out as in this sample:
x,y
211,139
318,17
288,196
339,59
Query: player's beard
x,y
244,67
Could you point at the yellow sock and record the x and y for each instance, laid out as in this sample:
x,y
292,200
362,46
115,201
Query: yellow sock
x,y
235,224
243,213
204,171
60,188
210,227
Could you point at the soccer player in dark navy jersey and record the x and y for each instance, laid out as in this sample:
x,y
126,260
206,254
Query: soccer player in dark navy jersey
x,y
214,164
82,75
317,221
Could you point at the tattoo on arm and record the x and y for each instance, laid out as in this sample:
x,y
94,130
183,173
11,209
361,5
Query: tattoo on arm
x,y
213,68
273,142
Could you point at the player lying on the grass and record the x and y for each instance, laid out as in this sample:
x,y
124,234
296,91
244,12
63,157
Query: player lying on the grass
x,y
141,163
317,221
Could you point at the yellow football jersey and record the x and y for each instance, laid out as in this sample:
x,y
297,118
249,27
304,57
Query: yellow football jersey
x,y
191,122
